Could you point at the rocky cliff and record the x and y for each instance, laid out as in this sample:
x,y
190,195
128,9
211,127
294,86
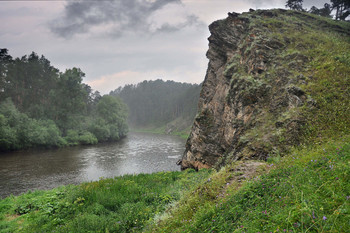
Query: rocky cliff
x,y
256,97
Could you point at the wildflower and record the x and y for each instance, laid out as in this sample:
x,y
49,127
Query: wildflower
x,y
324,218
313,215
347,197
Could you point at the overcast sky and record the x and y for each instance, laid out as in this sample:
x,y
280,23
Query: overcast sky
x,y
118,42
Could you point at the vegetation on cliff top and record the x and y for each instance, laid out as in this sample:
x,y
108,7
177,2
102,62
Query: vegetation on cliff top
x,y
326,45
312,60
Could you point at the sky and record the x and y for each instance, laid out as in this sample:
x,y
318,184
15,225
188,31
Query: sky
x,y
119,42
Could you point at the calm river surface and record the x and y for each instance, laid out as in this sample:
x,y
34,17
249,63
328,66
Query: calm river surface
x,y
46,169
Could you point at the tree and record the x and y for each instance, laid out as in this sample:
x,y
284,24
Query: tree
x,y
110,120
157,103
5,60
42,107
325,11
295,4
28,82
342,8
69,100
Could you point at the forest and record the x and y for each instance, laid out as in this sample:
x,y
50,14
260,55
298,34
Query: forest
x,y
43,107
158,103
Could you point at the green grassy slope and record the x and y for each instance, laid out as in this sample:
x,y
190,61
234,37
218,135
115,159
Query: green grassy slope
x,y
306,191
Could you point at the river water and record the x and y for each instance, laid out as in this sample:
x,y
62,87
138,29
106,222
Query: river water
x,y
46,169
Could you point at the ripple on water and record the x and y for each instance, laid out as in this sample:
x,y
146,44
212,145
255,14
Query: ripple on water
x,y
138,153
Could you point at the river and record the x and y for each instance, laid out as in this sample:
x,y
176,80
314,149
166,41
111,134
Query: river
x,y
45,169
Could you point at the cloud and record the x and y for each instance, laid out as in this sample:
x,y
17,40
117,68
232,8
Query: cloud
x,y
266,4
119,17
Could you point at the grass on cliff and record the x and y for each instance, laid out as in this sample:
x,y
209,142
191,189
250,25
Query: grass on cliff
x,y
326,44
329,86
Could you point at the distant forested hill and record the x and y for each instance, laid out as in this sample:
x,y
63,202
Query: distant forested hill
x,y
43,107
158,103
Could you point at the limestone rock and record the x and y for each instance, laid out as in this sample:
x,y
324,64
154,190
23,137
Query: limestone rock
x,y
249,102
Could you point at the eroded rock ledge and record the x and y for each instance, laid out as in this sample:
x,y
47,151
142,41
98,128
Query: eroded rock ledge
x,y
251,96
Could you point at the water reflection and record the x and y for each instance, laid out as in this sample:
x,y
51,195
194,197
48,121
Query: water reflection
x,y
138,153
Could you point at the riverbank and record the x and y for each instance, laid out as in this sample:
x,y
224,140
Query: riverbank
x,y
162,130
178,128
306,190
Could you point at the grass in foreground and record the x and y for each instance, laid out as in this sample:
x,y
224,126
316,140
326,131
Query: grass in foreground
x,y
122,204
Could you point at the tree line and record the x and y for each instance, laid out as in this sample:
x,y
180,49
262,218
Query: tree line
x,y
340,7
43,107
156,103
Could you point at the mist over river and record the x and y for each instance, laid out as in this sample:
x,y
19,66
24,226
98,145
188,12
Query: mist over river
x,y
45,169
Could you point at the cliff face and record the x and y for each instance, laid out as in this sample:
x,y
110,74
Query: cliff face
x,y
252,100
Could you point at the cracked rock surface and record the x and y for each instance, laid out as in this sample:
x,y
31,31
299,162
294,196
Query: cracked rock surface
x,y
251,96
